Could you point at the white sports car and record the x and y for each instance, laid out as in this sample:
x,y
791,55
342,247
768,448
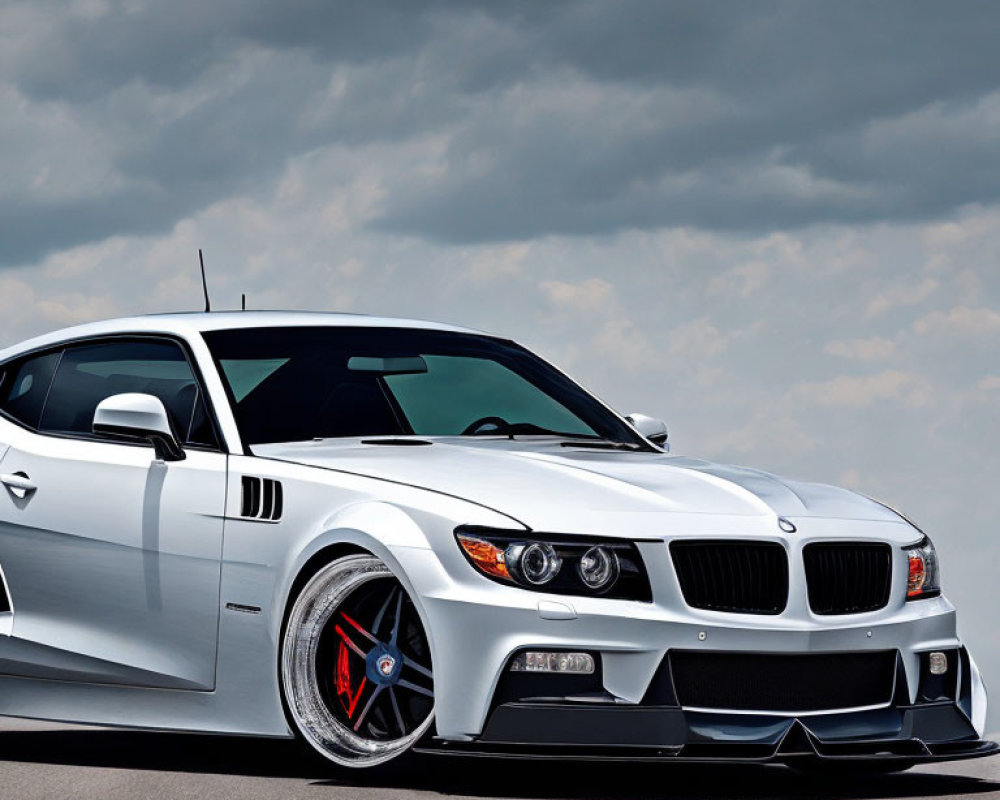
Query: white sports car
x,y
383,535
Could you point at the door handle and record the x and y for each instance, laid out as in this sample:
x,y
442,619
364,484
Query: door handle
x,y
20,485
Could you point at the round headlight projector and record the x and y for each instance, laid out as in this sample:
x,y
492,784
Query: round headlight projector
x,y
537,563
598,568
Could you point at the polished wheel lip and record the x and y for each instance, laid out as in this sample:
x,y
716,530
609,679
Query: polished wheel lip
x,y
314,608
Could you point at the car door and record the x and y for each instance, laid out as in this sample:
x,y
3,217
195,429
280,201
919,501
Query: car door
x,y
111,558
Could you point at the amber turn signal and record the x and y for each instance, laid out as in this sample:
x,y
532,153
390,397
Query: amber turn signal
x,y
488,557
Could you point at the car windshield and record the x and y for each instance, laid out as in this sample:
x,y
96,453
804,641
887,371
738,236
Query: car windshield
x,y
302,383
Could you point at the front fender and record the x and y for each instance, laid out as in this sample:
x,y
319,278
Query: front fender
x,y
372,526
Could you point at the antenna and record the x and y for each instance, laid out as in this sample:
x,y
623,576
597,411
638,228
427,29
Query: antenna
x,y
204,283
244,302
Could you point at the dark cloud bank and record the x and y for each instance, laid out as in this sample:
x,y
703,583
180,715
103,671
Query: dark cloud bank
x,y
576,118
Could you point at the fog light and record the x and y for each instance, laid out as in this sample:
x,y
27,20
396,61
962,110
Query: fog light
x,y
578,663
937,663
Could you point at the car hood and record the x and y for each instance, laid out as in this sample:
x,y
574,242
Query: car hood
x,y
549,487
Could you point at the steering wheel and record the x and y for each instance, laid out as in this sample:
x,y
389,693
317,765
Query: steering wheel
x,y
475,428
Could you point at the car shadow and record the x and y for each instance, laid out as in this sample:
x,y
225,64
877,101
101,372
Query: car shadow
x,y
472,777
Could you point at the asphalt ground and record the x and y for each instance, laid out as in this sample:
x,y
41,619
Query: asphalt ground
x,y
56,761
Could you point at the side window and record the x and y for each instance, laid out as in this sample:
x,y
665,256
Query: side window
x,y
89,373
23,386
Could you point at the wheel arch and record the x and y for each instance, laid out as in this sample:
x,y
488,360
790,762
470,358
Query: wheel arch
x,y
371,528
316,562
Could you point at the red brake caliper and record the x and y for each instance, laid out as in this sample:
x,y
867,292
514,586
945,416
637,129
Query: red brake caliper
x,y
348,699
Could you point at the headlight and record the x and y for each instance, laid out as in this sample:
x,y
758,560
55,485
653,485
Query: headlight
x,y
924,579
598,567
535,563
558,564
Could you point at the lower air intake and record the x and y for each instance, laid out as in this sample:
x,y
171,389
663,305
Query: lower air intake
x,y
783,682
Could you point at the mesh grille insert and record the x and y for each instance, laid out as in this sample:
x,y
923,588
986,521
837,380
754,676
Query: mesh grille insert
x,y
783,682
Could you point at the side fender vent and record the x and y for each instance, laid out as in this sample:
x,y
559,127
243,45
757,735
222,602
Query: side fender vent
x,y
263,498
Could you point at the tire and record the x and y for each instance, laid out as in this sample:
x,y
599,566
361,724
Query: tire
x,y
355,665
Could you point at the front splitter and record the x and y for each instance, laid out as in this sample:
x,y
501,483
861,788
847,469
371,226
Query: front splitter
x,y
726,755
934,732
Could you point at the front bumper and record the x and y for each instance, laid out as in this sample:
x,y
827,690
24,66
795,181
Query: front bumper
x,y
476,627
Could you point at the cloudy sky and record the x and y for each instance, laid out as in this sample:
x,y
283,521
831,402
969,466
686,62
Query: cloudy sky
x,y
774,224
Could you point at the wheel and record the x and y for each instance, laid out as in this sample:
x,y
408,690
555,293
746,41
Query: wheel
x,y
356,666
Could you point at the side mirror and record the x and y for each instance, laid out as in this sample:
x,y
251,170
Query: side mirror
x,y
651,428
138,417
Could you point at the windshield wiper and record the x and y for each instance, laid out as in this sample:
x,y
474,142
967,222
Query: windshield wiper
x,y
513,429
603,444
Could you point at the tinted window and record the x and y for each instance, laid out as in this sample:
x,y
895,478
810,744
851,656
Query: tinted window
x,y
296,384
457,390
23,387
88,374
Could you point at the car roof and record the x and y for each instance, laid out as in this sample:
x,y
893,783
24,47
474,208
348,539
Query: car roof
x,y
188,324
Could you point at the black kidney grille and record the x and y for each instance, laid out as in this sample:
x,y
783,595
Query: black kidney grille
x,y
783,682
740,577
848,577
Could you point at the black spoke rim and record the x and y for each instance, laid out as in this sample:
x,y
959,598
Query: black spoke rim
x,y
373,663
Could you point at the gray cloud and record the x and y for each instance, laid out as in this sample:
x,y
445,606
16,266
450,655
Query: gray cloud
x,y
169,46
798,88
567,118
